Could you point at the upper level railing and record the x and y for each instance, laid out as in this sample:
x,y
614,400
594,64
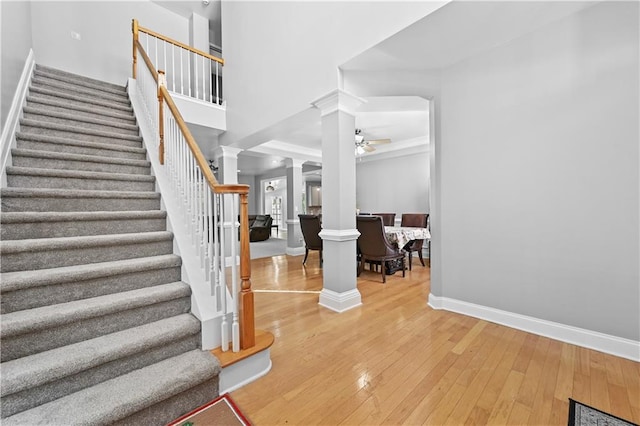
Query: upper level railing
x,y
210,209
189,71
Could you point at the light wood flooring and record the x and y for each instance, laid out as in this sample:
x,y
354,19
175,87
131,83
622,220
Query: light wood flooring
x,y
394,360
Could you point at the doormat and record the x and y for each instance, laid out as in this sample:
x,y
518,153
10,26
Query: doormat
x,y
583,415
221,411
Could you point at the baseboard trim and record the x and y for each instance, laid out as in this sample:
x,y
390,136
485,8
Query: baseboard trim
x,y
606,343
340,302
295,251
7,140
245,371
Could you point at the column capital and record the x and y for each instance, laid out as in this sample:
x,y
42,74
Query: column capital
x,y
336,100
293,162
227,151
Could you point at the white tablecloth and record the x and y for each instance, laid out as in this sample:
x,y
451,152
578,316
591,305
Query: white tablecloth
x,y
403,234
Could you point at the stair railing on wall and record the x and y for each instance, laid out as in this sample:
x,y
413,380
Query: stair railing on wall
x,y
210,209
190,72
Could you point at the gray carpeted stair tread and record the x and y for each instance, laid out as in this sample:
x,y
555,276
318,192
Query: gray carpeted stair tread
x,y
136,390
77,77
78,174
111,240
52,155
57,105
57,142
35,217
80,90
46,126
11,281
83,100
74,79
30,225
79,119
43,367
38,319
40,200
43,253
75,193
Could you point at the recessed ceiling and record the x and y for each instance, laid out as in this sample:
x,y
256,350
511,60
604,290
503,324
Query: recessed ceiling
x,y
403,119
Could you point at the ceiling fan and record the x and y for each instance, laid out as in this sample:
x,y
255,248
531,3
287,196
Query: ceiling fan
x,y
364,145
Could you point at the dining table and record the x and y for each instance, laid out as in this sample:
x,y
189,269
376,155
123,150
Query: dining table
x,y
402,235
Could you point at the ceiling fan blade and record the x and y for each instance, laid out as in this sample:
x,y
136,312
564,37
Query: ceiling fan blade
x,y
368,148
379,141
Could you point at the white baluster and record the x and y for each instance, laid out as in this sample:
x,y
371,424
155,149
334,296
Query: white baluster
x,y
189,74
181,74
217,84
204,81
210,82
235,326
164,55
223,279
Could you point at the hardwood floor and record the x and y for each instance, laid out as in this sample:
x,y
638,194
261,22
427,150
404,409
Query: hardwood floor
x,y
394,360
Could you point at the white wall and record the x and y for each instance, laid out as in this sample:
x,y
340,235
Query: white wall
x,y
15,34
280,56
539,163
396,185
105,49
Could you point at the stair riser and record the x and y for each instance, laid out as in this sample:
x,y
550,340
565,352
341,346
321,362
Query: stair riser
x,y
79,136
55,229
38,102
81,91
72,80
111,127
29,398
36,297
42,259
94,104
73,149
30,343
52,182
79,78
61,164
45,204
171,408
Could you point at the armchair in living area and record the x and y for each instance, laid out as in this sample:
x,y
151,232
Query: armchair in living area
x,y
260,227
373,245
389,219
418,220
311,227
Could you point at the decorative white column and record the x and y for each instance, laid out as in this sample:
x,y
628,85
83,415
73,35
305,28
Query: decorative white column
x,y
227,160
295,244
339,233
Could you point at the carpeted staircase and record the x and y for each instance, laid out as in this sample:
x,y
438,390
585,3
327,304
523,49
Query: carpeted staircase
x,y
95,322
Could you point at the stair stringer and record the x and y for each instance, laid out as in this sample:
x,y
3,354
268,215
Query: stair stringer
x,y
8,138
203,303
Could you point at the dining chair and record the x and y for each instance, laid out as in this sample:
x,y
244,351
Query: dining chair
x,y
311,227
389,219
418,220
374,246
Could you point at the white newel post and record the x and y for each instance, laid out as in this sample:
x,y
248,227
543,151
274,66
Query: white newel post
x,y
294,206
339,233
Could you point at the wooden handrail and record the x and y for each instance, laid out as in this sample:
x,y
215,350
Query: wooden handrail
x,y
176,43
246,304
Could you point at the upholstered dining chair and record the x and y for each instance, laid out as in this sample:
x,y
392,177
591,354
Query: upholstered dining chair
x,y
389,219
418,220
311,227
374,246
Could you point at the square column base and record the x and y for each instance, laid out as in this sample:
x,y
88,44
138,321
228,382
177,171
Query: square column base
x,y
340,302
